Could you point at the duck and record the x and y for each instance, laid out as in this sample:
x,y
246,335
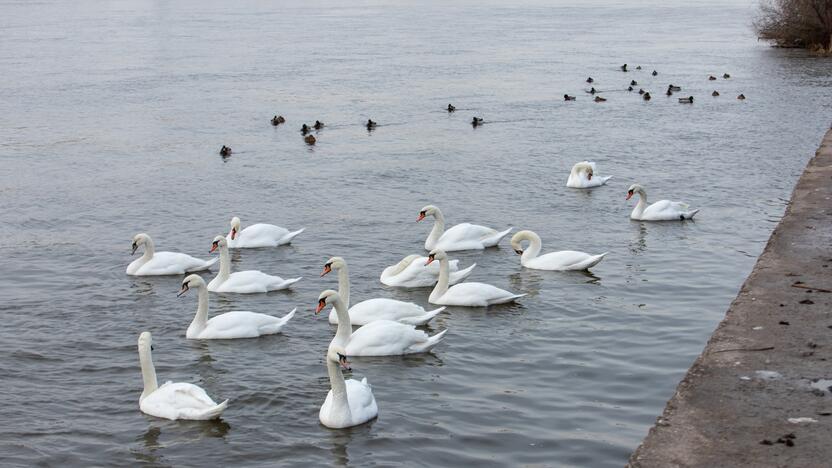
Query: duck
x,y
153,263
590,80
565,260
674,87
629,88
726,76
464,294
230,325
242,282
711,78
378,338
741,97
624,67
304,129
582,176
371,125
310,139
411,272
318,125
641,91
646,96
172,400
451,108
669,92
349,402
375,309
633,83
592,90
663,210
476,121
463,236
225,151
638,67
258,235
655,73
600,99
567,97
715,93
277,120
686,100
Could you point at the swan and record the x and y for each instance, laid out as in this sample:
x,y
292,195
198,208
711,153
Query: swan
x,y
460,237
374,309
561,261
163,263
379,338
464,294
237,324
243,282
662,210
258,235
583,176
411,272
348,403
172,400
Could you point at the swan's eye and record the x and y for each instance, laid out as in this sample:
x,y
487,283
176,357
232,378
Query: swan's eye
x,y
152,348
328,265
215,243
422,213
630,192
134,245
322,302
432,256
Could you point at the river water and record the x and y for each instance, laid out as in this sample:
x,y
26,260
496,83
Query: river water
x,y
111,117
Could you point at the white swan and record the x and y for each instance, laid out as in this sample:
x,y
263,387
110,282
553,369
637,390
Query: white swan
x,y
562,260
662,210
258,235
348,403
411,272
163,263
465,294
379,338
237,324
172,400
463,236
374,309
243,282
583,176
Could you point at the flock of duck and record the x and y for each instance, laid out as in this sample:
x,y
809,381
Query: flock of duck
x,y
387,327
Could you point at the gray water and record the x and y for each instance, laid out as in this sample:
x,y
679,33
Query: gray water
x,y
111,117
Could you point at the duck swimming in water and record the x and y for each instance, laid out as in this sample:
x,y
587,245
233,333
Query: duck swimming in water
x,y
476,121
715,93
646,96
634,83
624,67
451,108
638,67
277,120
589,80
600,99
711,78
371,125
304,129
641,91
310,139
686,100
567,97
629,88
655,73
225,151
669,92
726,76
592,90
674,88
741,97
318,125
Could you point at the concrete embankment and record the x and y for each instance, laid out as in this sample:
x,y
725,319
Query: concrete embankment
x,y
759,394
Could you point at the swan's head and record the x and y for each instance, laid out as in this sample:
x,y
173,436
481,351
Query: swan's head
x,y
334,263
428,210
138,240
218,243
191,281
634,189
337,353
327,297
436,254
145,341
235,227
517,241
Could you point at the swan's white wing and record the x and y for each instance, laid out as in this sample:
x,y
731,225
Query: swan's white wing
x,y
361,400
178,401
416,274
252,281
172,263
258,235
562,260
465,232
242,324
384,338
380,308
665,210
476,295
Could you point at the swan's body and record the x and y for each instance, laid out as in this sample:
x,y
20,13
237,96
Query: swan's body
x,y
411,272
583,176
348,403
560,261
379,338
258,235
153,263
172,400
465,294
463,236
662,210
243,282
237,324
375,309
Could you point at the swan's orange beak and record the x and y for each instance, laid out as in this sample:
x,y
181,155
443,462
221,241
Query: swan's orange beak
x,y
321,305
233,233
629,195
421,217
431,258
327,269
213,247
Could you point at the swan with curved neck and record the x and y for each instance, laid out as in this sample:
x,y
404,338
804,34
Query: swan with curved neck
x,y
559,261
236,324
172,400
374,309
411,272
258,235
463,236
153,263
662,210
348,403
583,176
242,282
464,294
377,338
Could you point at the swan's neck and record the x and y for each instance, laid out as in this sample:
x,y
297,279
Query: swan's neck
x,y
201,317
344,326
148,372
402,265
437,231
344,287
149,250
339,389
641,205
533,250
442,286
225,264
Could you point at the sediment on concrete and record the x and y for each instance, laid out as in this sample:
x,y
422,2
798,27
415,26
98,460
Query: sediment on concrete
x,y
770,360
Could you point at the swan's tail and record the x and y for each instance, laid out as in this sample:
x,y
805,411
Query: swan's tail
x,y
590,262
493,240
460,275
286,283
417,320
213,412
690,214
430,343
207,265
507,299
288,237
287,317
605,179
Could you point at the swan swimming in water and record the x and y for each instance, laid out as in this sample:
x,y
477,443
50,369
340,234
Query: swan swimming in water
x,y
560,261
348,403
662,210
583,176
411,272
243,282
172,400
465,294
153,263
463,236
258,235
